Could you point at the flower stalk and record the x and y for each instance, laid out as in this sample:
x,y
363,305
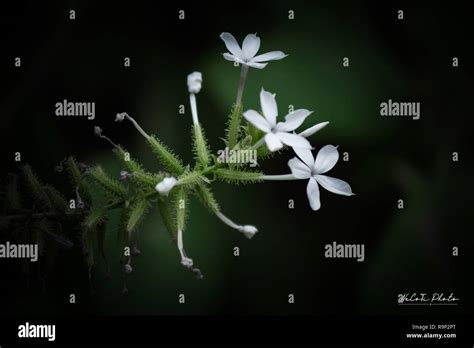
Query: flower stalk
x,y
248,230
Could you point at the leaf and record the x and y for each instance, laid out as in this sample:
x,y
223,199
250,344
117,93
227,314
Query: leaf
x,y
12,195
56,198
190,179
238,176
4,223
130,164
148,180
44,227
95,217
233,126
89,241
200,147
167,218
180,205
35,187
166,157
113,186
137,213
101,240
207,198
122,234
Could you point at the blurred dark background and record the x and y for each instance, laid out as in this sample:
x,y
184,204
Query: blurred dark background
x,y
407,250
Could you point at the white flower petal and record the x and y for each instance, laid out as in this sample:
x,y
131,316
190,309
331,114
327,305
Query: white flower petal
x,y
273,142
256,65
269,106
274,55
293,140
250,46
312,190
334,185
311,130
293,120
326,158
231,44
306,156
299,169
257,120
231,57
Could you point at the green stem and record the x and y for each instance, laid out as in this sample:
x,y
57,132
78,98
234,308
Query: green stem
x,y
234,126
278,177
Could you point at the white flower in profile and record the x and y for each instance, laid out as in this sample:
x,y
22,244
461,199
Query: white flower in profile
x,y
166,185
247,54
278,134
306,167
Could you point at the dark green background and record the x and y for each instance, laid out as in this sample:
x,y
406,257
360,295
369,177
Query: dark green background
x,y
390,158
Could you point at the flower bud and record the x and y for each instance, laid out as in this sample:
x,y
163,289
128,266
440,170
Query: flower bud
x,y
128,268
135,251
248,230
194,82
187,262
165,186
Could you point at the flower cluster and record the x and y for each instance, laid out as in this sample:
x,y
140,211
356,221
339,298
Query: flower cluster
x,y
263,133
278,134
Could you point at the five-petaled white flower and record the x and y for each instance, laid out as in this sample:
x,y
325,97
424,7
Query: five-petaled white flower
x,y
246,54
278,134
309,168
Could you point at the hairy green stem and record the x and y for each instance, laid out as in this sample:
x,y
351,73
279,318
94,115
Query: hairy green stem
x,y
234,126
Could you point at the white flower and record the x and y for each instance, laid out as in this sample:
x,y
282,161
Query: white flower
x,y
194,82
309,168
97,131
165,186
246,54
278,133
